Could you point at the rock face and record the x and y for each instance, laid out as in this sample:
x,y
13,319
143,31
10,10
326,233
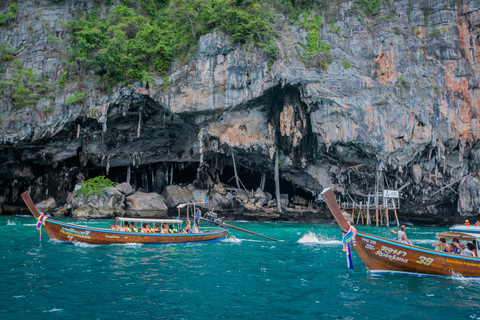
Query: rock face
x,y
141,201
105,205
397,108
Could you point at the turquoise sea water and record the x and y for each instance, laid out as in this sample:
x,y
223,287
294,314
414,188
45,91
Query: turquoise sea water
x,y
303,277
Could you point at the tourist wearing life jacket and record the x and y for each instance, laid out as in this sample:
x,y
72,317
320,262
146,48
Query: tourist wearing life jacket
x,y
133,228
125,227
171,229
467,223
146,228
477,223
156,229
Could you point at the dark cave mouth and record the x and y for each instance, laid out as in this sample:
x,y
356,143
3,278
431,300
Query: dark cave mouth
x,y
143,178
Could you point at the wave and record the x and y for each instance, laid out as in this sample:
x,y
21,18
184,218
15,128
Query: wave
x,y
11,223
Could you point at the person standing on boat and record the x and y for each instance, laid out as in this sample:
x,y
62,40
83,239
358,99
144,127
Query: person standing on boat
x,y
198,215
402,236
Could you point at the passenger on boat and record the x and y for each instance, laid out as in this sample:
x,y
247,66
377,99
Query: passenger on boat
x,y
472,248
133,228
125,227
188,228
456,246
165,228
443,246
171,229
198,215
477,223
465,251
156,229
112,226
467,223
402,236
146,228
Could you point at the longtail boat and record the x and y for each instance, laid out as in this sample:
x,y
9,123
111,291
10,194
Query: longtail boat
x,y
70,232
380,255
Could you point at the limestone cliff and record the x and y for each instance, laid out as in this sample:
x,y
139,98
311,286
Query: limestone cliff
x,y
397,107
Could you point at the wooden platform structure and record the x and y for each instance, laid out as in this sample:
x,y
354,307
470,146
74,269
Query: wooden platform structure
x,y
381,203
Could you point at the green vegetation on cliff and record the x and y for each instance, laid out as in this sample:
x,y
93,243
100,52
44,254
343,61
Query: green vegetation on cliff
x,y
128,44
94,186
120,44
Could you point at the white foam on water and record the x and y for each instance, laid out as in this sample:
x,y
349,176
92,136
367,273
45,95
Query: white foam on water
x,y
11,223
233,240
53,310
132,244
84,245
309,237
423,241
29,224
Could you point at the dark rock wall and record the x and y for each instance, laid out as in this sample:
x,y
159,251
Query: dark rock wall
x,y
403,112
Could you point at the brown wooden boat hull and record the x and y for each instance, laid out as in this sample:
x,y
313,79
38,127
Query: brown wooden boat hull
x,y
69,232
74,233
383,255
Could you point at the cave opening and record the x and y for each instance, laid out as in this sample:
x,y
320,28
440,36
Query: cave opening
x,y
251,181
144,177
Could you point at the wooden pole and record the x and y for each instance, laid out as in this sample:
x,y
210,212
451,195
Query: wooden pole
x,y
368,211
386,217
277,183
353,215
235,170
171,174
129,172
396,217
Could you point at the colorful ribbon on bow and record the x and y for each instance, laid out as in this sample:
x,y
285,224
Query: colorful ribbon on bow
x,y
40,223
349,237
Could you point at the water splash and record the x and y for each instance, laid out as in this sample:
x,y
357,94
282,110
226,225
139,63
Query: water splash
x,y
232,239
310,237
11,223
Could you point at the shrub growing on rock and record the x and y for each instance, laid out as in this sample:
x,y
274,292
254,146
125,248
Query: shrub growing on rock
x,y
95,186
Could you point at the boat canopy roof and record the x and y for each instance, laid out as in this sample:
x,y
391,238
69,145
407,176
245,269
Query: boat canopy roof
x,y
150,220
459,235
